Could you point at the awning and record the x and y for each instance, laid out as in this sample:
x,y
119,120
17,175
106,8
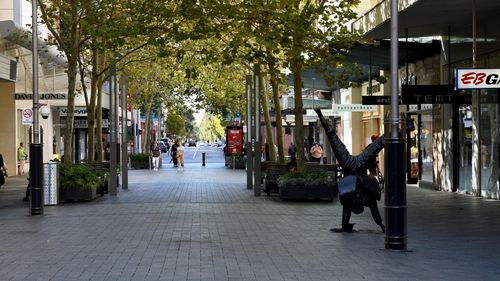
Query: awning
x,y
368,57
432,18
17,35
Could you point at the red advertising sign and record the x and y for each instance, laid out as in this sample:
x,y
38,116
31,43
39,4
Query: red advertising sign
x,y
234,140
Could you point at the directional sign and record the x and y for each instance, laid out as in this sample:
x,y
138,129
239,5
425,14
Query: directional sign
x,y
27,116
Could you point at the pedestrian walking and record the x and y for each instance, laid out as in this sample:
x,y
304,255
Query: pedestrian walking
x,y
156,154
21,157
180,157
173,153
3,171
292,149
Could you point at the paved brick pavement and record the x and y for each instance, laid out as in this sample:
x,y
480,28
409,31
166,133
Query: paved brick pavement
x,y
203,224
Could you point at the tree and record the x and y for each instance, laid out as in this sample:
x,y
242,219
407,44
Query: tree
x,y
176,125
65,19
211,128
310,29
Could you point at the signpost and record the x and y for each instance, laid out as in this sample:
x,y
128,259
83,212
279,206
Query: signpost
x,y
27,116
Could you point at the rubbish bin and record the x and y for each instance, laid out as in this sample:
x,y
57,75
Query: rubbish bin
x,y
50,184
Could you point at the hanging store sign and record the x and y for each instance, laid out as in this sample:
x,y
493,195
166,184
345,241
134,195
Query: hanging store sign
x,y
376,100
428,94
476,78
325,112
354,108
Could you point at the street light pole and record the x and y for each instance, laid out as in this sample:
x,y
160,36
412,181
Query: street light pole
x,y
36,162
250,126
113,118
256,145
395,195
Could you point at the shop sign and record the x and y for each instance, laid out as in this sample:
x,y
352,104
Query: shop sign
x,y
79,112
428,94
42,96
376,100
325,112
83,123
477,78
354,108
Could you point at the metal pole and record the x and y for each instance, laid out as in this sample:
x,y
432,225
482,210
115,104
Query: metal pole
x,y
124,166
250,128
395,195
36,161
257,148
476,113
112,132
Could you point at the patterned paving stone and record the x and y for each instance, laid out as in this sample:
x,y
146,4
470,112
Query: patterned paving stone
x,y
203,224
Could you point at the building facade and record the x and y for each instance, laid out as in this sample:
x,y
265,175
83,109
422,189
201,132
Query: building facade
x,y
454,135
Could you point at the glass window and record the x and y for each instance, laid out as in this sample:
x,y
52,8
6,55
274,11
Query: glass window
x,y
465,139
489,130
426,146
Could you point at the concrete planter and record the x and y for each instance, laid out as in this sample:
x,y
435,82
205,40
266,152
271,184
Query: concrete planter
x,y
303,192
77,193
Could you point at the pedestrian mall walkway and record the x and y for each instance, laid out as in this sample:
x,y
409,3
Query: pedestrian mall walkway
x,y
203,224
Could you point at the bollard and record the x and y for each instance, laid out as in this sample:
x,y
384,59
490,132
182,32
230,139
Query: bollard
x,y
203,159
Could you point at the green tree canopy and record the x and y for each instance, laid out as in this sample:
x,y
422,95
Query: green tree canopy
x,y
211,128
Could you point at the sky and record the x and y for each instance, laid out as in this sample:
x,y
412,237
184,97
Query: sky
x,y
198,116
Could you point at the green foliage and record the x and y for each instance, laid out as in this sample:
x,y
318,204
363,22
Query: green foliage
x,y
80,176
175,124
139,158
236,156
211,128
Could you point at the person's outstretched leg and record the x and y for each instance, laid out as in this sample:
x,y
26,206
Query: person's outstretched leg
x,y
376,215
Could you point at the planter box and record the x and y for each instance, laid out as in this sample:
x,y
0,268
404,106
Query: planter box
x,y
77,194
139,165
302,192
238,164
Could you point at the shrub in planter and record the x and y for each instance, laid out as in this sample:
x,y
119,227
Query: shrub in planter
x,y
293,185
237,160
78,182
139,161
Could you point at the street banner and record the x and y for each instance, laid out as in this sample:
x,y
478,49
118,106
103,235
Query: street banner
x,y
234,139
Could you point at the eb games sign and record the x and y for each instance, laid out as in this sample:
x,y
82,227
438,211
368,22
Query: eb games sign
x,y
477,78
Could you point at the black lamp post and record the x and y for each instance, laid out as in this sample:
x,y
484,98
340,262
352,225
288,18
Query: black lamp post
x,y
36,161
395,195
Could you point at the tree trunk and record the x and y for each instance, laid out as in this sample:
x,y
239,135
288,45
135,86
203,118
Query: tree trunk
x,y
299,120
277,112
68,140
264,99
91,109
147,129
100,81
98,136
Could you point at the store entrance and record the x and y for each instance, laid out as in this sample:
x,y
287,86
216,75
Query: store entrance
x,y
419,147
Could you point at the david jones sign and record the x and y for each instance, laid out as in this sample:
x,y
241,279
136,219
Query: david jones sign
x,y
477,78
